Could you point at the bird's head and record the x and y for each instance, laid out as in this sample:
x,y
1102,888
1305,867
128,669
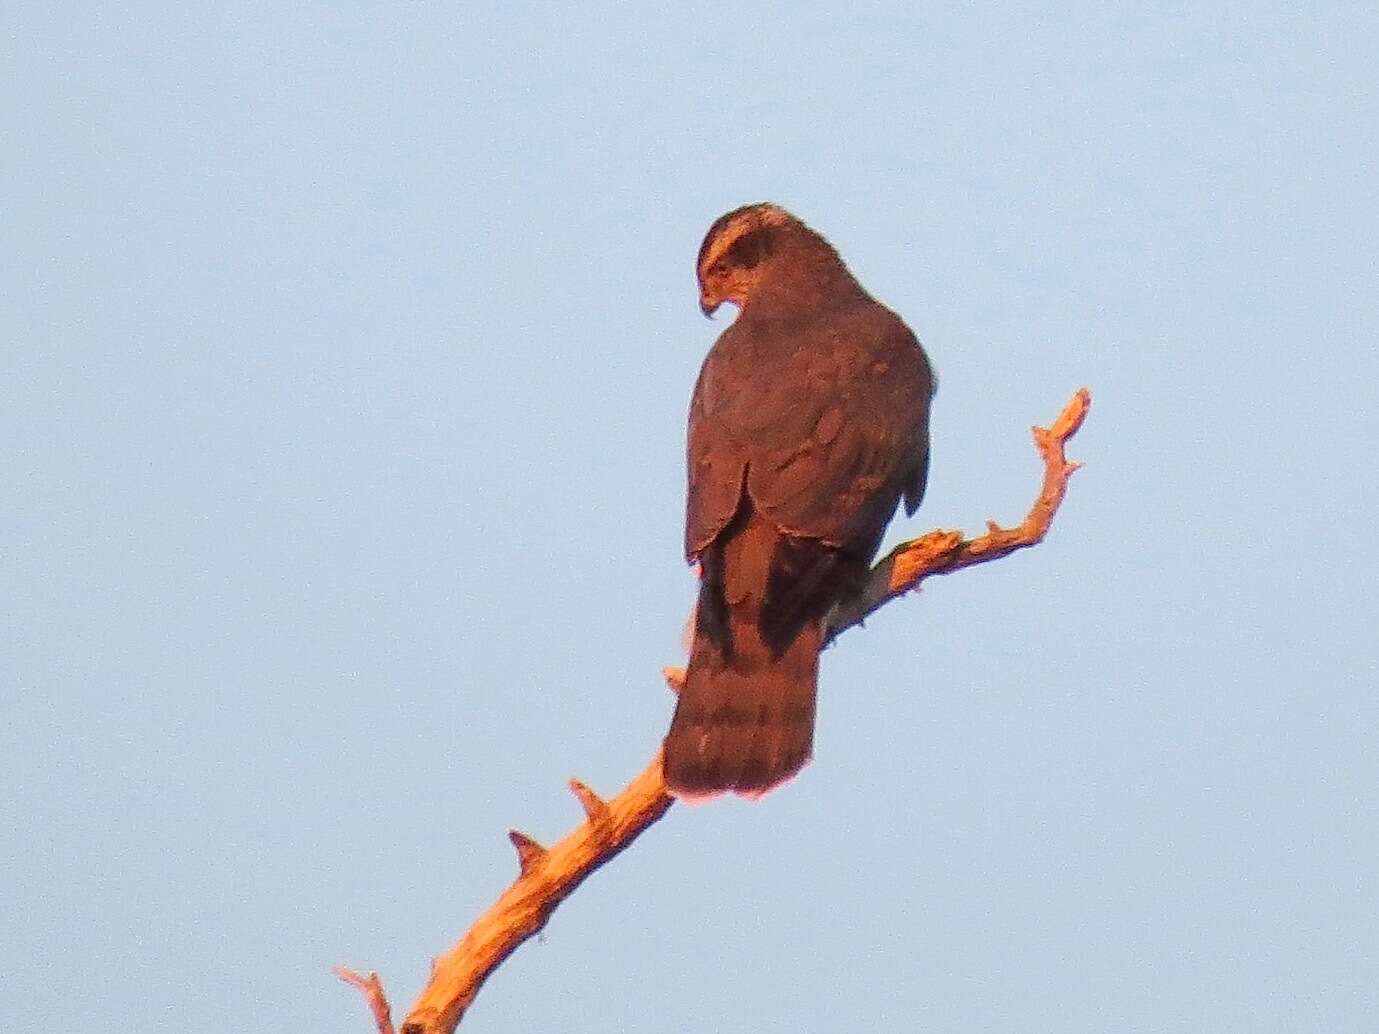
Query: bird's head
x,y
754,246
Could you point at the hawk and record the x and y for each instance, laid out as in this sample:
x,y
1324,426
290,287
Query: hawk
x,y
808,424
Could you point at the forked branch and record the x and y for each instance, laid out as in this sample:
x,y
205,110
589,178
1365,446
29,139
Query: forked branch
x,y
546,876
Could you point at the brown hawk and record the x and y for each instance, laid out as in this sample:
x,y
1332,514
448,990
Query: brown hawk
x,y
809,423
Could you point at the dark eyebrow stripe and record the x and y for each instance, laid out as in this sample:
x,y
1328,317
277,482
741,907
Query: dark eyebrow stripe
x,y
751,248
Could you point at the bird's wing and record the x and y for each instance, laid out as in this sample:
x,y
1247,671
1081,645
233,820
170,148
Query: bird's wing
x,y
826,426
850,434
717,464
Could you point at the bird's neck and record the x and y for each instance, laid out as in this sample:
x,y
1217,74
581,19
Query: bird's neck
x,y
796,290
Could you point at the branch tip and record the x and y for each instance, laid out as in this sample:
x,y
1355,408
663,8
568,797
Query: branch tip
x,y
530,854
372,990
595,807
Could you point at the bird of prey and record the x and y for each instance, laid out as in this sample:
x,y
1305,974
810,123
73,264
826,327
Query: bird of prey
x,y
808,424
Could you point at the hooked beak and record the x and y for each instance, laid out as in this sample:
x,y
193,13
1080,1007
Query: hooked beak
x,y
708,306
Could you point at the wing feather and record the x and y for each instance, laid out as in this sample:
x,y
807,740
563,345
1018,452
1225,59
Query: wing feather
x,y
824,423
856,439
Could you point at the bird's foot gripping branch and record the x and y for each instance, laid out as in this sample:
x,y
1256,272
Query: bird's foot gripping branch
x,y
547,875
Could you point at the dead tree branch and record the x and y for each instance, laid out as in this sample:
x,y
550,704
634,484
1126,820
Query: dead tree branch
x,y
943,552
372,990
546,876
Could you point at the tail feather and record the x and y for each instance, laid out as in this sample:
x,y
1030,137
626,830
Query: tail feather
x,y
741,726
745,718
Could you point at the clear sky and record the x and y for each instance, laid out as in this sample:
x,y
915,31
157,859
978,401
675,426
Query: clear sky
x,y
346,351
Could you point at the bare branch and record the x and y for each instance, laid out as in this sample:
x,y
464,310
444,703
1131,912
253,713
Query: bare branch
x,y
548,875
943,552
372,990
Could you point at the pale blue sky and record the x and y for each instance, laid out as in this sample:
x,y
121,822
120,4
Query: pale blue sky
x,y
346,354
